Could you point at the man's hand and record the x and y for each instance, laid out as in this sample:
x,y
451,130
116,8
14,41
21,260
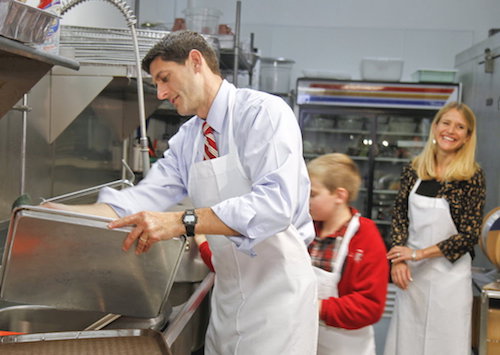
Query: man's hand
x,y
149,228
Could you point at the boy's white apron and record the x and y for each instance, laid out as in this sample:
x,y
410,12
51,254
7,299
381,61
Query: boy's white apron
x,y
339,341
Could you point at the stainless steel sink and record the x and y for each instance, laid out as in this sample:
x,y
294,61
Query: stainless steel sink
x,y
183,333
44,319
191,268
24,318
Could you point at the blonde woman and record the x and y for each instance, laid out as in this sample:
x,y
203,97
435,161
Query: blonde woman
x,y
436,223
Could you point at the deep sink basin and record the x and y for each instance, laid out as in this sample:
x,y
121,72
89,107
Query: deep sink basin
x,y
44,319
23,318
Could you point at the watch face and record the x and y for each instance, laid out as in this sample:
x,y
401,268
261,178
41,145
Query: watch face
x,y
189,219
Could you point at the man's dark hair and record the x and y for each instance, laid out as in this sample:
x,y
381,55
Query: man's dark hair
x,y
176,46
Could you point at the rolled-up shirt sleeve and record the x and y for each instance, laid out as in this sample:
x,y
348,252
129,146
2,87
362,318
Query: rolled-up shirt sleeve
x,y
269,146
270,151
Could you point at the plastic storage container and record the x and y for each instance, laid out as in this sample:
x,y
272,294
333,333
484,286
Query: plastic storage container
x,y
24,23
381,69
202,20
435,76
51,43
275,75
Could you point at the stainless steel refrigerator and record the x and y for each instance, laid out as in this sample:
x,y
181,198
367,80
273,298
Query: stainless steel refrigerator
x,y
479,71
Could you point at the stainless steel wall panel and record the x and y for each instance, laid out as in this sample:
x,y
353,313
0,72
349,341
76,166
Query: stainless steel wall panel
x,y
10,133
75,130
69,96
482,93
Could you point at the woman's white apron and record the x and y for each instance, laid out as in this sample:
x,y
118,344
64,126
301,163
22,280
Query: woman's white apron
x,y
339,341
266,304
433,316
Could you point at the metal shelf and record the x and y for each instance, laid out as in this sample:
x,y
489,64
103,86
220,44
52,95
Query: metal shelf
x,y
409,134
385,192
21,67
17,48
334,130
315,155
393,160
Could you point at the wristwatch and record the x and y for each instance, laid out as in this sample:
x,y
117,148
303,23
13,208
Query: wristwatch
x,y
189,219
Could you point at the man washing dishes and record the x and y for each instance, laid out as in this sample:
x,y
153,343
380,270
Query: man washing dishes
x,y
239,159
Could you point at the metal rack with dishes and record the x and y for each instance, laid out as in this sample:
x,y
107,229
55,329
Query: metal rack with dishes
x,y
326,131
381,126
398,140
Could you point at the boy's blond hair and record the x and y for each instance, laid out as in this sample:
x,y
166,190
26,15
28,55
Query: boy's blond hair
x,y
336,170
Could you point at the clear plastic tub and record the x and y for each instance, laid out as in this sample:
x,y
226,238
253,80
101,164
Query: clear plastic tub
x,y
381,69
275,74
202,20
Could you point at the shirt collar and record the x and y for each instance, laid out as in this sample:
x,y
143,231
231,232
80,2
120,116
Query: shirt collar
x,y
218,109
338,233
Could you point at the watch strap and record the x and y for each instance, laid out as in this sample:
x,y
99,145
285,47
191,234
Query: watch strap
x,y
189,220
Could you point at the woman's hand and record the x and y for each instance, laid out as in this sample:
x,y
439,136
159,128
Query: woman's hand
x,y
398,254
401,275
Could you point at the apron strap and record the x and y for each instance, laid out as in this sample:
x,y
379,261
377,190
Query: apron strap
x,y
351,230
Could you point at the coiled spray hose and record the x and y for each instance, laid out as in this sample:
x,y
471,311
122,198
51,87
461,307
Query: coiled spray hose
x,y
127,12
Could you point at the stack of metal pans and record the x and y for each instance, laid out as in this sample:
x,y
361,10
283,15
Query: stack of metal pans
x,y
107,45
112,46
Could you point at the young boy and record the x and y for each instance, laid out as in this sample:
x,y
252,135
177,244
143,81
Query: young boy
x,y
349,258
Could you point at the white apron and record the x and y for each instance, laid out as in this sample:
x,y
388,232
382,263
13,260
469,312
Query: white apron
x,y
266,304
339,341
433,316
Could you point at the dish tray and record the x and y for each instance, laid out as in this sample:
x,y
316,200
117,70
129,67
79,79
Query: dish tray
x,y
71,260
102,342
24,23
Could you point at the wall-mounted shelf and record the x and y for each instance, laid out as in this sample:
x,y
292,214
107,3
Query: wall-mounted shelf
x,y
334,130
21,67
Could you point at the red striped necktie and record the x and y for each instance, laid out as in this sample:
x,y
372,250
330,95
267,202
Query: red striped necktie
x,y
210,145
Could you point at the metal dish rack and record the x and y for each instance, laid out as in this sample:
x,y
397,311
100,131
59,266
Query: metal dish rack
x,y
114,46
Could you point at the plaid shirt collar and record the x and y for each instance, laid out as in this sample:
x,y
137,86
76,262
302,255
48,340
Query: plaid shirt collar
x,y
318,226
322,249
